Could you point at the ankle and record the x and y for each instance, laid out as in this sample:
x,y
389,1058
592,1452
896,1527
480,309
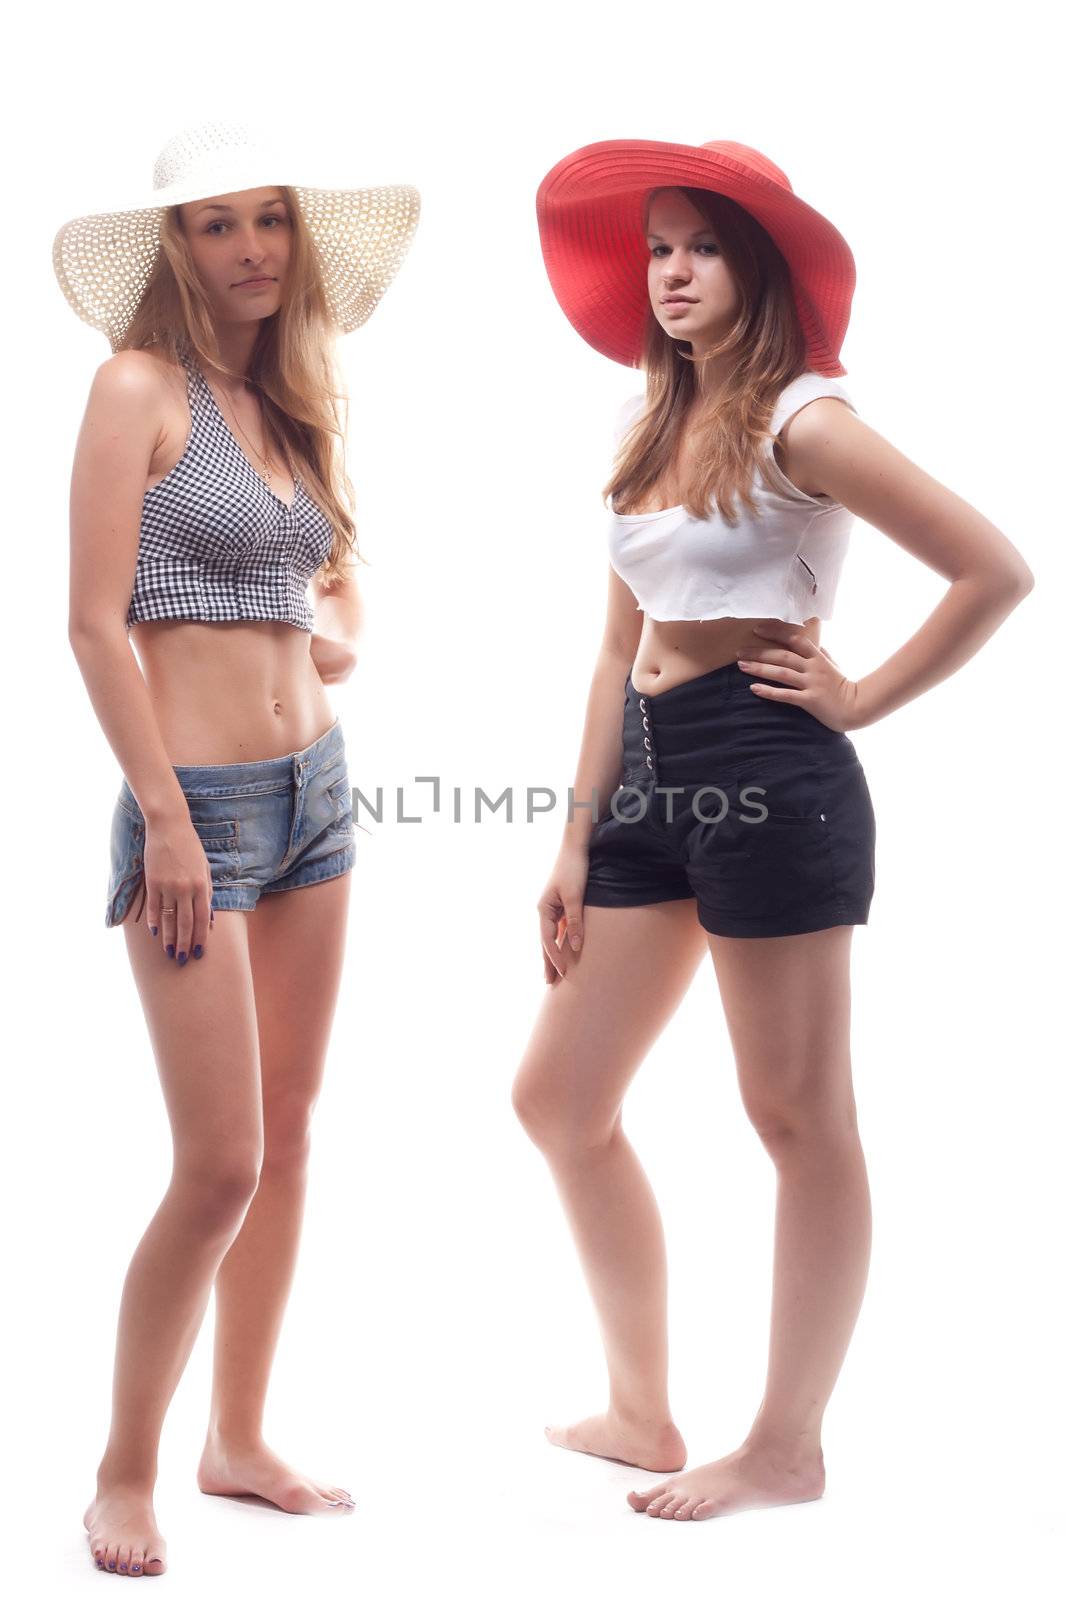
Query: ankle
x,y
133,1478
784,1447
234,1435
647,1418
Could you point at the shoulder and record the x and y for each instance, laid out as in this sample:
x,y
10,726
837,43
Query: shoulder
x,y
799,397
815,426
132,378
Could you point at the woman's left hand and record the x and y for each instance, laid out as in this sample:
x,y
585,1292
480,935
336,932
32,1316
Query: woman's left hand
x,y
802,672
334,659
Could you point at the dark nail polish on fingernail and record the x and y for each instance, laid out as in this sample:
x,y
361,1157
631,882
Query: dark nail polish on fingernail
x,y
183,958
198,951
170,949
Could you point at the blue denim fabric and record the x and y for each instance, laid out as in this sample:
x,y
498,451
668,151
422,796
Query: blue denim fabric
x,y
264,825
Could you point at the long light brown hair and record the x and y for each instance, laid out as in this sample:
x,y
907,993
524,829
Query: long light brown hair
x,y
292,367
729,434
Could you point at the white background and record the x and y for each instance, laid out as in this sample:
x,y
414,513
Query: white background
x,y
439,1317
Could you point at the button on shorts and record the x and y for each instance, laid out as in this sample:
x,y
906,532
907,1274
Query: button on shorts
x,y
750,805
264,825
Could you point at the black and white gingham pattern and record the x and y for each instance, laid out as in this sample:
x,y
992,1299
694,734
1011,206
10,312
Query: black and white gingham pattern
x,y
217,545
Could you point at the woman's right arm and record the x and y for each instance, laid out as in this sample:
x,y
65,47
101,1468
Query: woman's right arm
x,y
598,776
119,433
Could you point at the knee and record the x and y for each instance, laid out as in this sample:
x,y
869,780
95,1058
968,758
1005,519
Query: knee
x,y
790,1118
216,1187
555,1123
287,1136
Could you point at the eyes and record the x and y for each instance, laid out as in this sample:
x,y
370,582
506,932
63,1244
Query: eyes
x,y
270,217
656,248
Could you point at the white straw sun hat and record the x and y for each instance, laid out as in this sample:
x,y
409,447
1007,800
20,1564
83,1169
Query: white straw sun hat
x,y
103,261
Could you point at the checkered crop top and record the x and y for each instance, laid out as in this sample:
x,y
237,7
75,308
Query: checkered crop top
x,y
217,545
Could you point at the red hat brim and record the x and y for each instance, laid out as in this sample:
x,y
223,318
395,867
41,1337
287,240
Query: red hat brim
x,y
589,215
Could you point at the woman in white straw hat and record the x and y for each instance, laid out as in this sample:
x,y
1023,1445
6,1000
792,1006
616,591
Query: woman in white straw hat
x,y
208,496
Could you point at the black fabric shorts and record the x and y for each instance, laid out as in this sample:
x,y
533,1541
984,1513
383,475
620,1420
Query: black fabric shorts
x,y
751,805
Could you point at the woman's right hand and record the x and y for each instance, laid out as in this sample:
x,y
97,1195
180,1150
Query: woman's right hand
x,y
177,887
561,902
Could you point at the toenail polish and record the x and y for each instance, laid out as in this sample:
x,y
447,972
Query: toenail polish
x,y
137,1566
111,1566
170,949
198,951
99,1562
122,1566
183,958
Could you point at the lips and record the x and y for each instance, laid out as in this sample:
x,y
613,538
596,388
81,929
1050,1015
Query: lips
x,y
677,300
261,279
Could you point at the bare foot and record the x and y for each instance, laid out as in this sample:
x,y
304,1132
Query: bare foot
x,y
747,1477
658,1447
123,1536
253,1469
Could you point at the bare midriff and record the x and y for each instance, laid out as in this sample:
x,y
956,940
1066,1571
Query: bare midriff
x,y
231,691
670,653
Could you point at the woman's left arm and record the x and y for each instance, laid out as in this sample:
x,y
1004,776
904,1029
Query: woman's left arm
x,y
833,448
338,618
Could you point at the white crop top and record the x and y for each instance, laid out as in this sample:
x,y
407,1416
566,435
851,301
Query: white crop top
x,y
784,563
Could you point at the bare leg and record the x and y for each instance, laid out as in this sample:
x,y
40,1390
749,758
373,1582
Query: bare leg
x,y
595,1027
296,941
201,1020
787,1005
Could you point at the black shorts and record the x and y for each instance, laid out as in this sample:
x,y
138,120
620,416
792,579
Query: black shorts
x,y
751,805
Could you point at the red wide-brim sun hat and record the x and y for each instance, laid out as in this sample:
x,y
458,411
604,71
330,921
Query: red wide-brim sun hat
x,y
589,214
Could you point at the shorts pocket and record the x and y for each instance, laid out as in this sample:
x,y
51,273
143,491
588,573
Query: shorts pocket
x,y
340,795
220,837
791,791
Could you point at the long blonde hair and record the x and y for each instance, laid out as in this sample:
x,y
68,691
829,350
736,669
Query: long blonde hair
x,y
292,367
729,434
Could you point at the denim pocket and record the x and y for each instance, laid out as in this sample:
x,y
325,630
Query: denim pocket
x,y
220,837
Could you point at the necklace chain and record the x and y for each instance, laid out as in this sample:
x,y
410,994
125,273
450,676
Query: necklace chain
x,y
267,471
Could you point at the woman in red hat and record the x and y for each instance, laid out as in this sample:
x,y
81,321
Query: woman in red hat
x,y
719,802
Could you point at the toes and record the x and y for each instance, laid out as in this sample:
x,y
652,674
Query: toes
x,y
639,1498
124,1558
153,1565
111,1555
655,1506
704,1508
136,1562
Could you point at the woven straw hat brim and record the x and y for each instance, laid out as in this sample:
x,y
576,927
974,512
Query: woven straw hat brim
x,y
103,261
592,239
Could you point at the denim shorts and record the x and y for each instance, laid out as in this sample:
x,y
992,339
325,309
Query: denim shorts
x,y
264,825
750,805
